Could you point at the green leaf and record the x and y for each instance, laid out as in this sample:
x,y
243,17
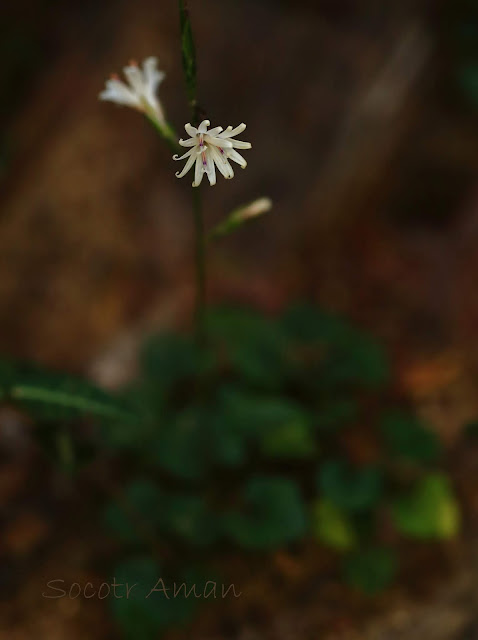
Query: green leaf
x,y
348,488
136,436
254,348
370,571
277,426
169,359
73,398
292,439
407,438
332,527
181,447
273,514
228,446
308,324
344,355
48,395
188,517
253,414
359,361
144,615
188,51
236,421
430,511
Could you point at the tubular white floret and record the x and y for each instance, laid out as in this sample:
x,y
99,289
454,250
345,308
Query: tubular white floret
x,y
140,90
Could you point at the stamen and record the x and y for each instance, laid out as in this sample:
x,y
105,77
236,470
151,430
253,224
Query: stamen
x,y
133,63
114,76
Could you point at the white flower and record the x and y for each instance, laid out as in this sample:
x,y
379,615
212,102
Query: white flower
x,y
140,93
211,149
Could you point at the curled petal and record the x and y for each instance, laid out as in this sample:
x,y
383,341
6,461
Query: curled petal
x,y
226,132
203,126
186,155
233,132
188,143
186,167
190,130
239,144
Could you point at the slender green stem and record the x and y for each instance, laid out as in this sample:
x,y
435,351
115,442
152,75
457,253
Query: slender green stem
x,y
200,242
167,133
188,51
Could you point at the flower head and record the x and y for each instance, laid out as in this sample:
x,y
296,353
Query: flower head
x,y
211,149
140,91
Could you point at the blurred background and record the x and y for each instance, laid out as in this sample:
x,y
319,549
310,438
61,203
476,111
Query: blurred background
x,y
363,120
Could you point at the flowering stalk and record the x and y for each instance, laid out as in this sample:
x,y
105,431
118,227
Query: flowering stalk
x,y
189,67
208,149
167,132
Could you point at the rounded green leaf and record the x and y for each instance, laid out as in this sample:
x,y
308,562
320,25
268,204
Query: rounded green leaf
x,y
332,527
348,488
290,440
344,355
168,359
188,517
277,426
254,347
181,448
273,514
407,438
430,511
306,323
